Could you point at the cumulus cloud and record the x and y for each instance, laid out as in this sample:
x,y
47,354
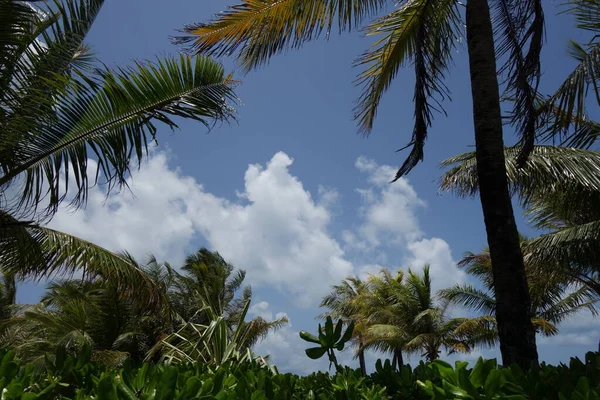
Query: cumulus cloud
x,y
389,218
276,230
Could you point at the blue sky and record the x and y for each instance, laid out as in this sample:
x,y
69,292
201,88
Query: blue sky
x,y
290,192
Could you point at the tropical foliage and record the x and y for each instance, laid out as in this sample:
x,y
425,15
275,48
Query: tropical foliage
x,y
423,35
401,315
553,297
115,325
60,108
559,189
79,378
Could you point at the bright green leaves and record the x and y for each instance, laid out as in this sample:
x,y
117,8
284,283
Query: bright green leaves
x,y
330,338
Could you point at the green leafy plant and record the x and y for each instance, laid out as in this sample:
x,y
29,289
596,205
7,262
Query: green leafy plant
x,y
329,339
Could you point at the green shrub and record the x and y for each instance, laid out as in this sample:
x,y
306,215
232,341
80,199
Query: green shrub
x,y
66,377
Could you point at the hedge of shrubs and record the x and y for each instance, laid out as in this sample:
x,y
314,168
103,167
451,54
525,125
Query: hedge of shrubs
x,y
63,377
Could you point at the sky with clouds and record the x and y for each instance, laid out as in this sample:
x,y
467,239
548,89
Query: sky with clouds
x,y
289,192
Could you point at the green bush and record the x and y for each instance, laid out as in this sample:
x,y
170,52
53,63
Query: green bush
x,y
66,377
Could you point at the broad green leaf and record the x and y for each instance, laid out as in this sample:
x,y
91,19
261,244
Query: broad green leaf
x,y
349,331
315,352
106,389
309,337
337,334
166,387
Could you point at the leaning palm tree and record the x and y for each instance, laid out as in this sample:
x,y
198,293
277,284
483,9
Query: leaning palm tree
x,y
554,297
61,107
345,303
423,34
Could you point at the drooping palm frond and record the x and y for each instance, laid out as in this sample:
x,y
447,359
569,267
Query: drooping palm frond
x,y
520,33
114,119
263,28
566,108
419,32
33,251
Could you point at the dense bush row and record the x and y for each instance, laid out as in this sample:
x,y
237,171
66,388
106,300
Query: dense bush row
x,y
64,377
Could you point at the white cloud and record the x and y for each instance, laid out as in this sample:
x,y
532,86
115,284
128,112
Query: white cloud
x,y
390,219
389,213
274,229
435,252
277,231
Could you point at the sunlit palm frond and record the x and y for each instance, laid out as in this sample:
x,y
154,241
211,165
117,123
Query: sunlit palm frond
x,y
258,329
544,326
114,120
548,168
421,33
263,28
477,331
577,245
470,298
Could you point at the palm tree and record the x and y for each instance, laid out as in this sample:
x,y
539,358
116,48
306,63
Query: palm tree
x,y
59,107
204,297
90,312
423,33
344,302
553,298
559,187
419,324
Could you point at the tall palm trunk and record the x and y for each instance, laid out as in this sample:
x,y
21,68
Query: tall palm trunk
x,y
398,360
516,333
361,360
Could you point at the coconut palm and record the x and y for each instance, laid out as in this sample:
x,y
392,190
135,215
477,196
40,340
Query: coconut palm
x,y
344,302
553,298
400,315
418,324
60,107
89,312
559,187
422,34
214,325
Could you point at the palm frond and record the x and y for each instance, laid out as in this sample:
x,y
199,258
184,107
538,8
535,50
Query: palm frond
x,y
38,252
114,120
419,32
574,246
520,33
470,298
548,168
260,29
567,106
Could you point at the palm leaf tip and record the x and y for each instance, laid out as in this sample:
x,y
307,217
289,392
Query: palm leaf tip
x,y
114,118
259,29
421,33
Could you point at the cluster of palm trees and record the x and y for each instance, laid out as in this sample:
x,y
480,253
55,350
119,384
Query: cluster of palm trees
x,y
116,326
60,107
423,34
401,315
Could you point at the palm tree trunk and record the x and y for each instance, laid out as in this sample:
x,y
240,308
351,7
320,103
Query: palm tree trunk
x,y
363,365
516,333
398,359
